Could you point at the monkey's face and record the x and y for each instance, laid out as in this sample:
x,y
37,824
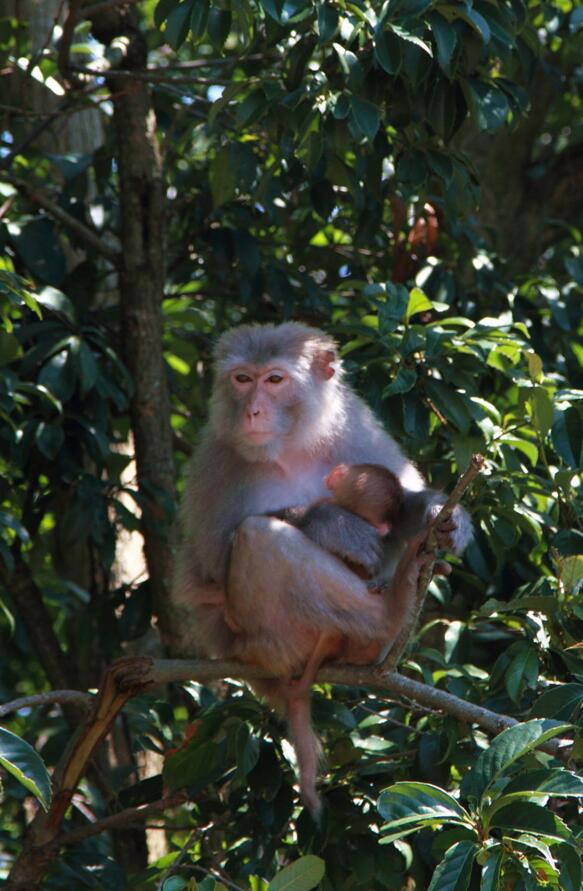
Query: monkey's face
x,y
263,400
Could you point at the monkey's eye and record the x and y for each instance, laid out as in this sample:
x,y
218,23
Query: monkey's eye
x,y
242,378
275,378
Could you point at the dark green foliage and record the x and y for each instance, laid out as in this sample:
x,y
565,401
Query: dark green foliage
x,y
326,164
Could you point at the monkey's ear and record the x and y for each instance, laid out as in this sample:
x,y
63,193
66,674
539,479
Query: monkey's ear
x,y
383,528
323,364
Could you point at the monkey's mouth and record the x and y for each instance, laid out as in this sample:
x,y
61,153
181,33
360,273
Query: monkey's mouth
x,y
258,436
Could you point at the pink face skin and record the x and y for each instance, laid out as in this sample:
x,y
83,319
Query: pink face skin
x,y
262,393
334,478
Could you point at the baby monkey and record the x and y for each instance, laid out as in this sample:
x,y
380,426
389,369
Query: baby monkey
x,y
373,493
370,491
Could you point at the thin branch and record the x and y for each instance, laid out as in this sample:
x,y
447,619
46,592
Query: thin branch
x,y
76,697
66,41
128,817
396,651
147,76
210,63
83,232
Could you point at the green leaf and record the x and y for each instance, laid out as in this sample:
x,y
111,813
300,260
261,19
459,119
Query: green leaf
x,y
541,408
273,8
405,805
366,116
21,760
327,22
49,439
85,364
455,870
178,24
393,310
492,869
10,348
523,816
251,109
546,781
247,747
558,702
489,105
175,883
407,35
504,750
163,10
567,436
199,18
445,38
219,25
198,763
477,21
223,177
404,381
571,572
453,405
388,51
302,875
418,302
522,671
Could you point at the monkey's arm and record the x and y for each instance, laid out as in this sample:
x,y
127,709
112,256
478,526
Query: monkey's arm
x,y
344,534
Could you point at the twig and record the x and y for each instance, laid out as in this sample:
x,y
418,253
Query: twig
x,y
66,41
147,76
77,697
396,651
126,817
83,232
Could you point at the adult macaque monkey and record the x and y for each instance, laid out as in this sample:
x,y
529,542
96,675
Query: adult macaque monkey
x,y
281,419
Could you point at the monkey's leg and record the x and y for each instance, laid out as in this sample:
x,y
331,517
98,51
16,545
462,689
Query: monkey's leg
x,y
283,586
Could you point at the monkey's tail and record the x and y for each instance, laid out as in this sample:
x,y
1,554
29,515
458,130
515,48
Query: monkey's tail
x,y
295,708
308,750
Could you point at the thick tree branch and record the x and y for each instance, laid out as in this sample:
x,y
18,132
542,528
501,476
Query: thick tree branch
x,y
83,232
36,619
165,671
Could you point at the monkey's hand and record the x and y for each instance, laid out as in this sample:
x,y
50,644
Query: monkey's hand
x,y
455,532
344,534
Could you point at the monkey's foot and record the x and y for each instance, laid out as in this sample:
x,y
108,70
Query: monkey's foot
x,y
444,533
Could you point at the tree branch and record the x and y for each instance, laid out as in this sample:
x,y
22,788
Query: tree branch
x,y
129,816
132,676
391,660
83,232
67,39
75,697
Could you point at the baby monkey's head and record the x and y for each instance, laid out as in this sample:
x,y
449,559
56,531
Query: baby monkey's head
x,y
369,490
